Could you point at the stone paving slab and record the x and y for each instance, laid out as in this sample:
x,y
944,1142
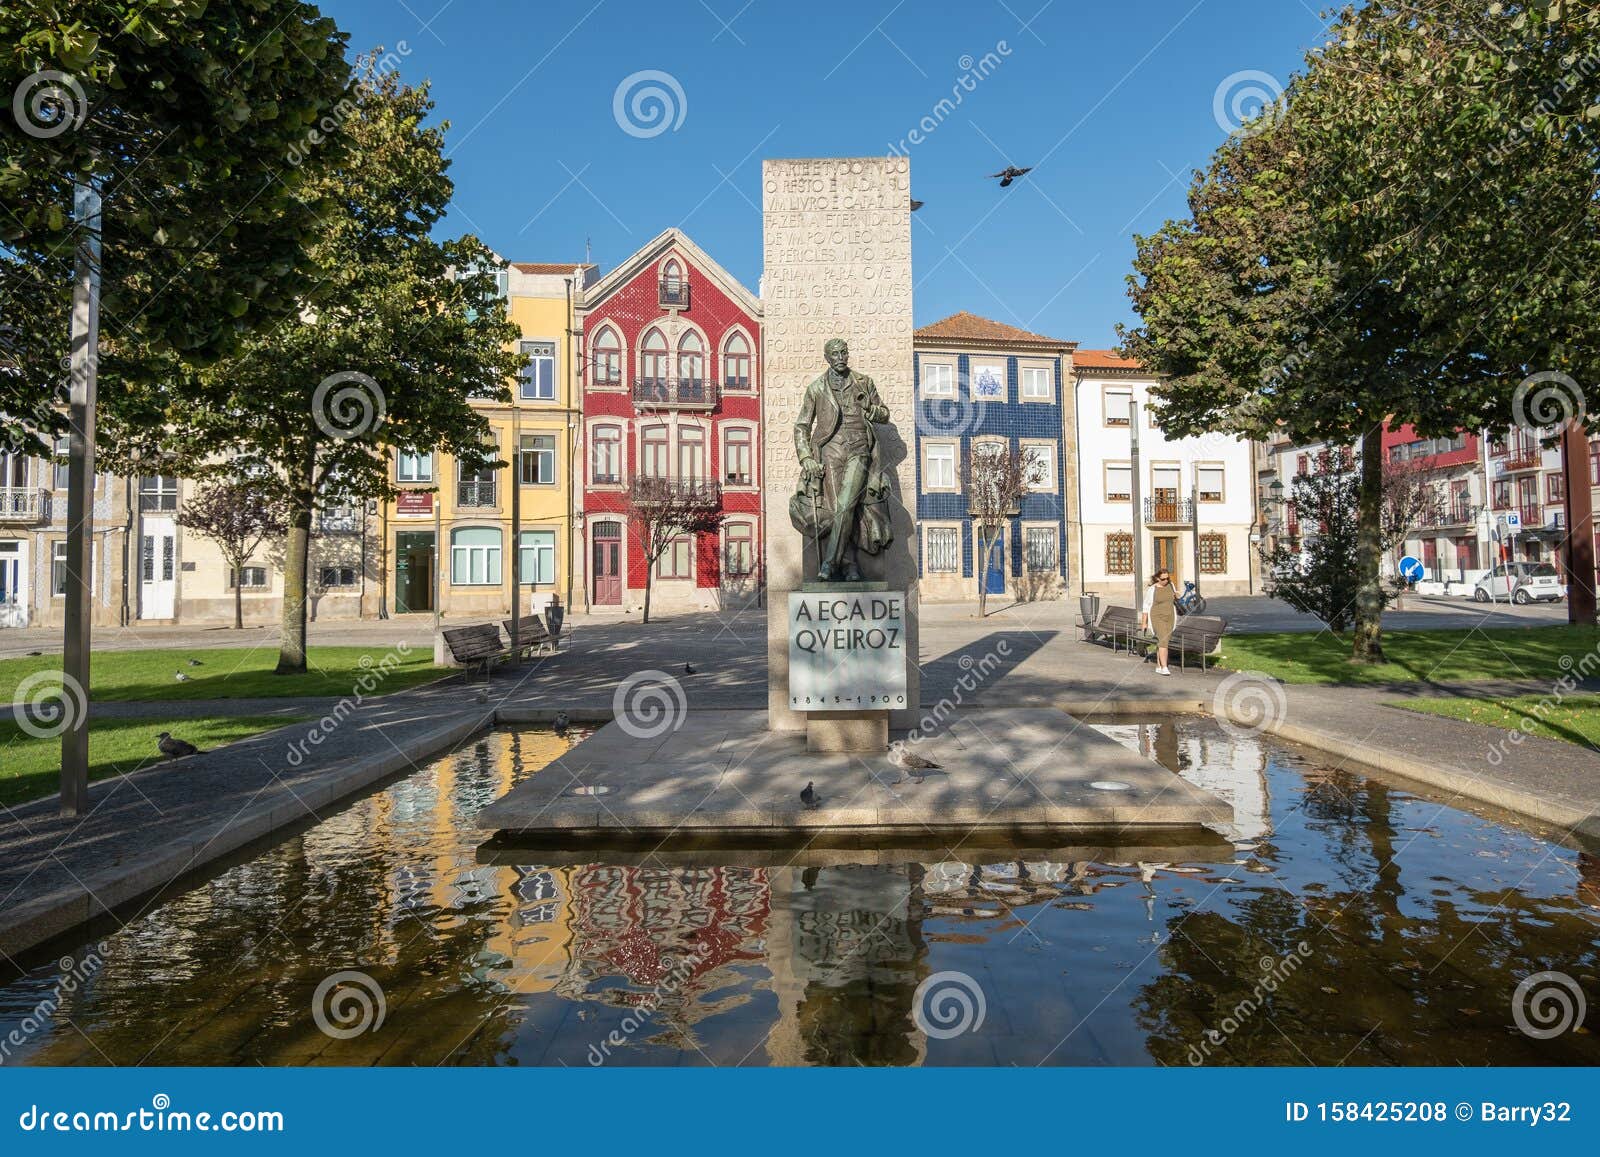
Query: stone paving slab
x,y
721,771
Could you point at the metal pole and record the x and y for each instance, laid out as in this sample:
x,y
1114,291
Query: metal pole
x,y
438,548
1194,522
516,529
84,359
1580,526
1138,500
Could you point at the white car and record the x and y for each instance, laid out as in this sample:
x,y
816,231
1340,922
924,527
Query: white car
x,y
1521,582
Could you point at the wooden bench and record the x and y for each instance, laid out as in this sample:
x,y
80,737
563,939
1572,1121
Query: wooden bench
x,y
1118,626
478,645
534,634
1197,635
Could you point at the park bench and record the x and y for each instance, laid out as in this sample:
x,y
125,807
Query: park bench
x,y
537,634
1197,635
478,645
1118,626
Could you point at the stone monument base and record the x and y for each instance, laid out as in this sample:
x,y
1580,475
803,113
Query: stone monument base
x,y
848,731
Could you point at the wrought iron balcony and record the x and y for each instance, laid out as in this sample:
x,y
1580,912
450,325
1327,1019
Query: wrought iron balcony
x,y
1519,454
476,492
674,294
675,393
24,505
648,489
1532,517
1168,511
1452,514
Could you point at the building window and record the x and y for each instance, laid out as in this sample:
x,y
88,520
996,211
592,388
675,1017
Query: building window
x,y
736,363
944,549
691,362
605,456
678,561
538,562
411,466
475,556
158,493
537,383
1036,384
1555,487
607,357
60,469
939,467
654,361
58,568
674,289
1213,554
248,578
338,576
737,456
653,452
938,381
1119,483
691,454
538,459
1208,481
1042,476
1119,553
1119,406
740,550
1594,463
474,485
1500,494
1039,548
1302,465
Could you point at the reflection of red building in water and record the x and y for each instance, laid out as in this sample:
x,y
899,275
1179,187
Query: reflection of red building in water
x,y
671,389
666,931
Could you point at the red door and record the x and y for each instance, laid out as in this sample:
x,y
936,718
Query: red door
x,y
607,568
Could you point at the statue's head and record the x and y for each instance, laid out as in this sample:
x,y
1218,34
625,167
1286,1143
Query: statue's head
x,y
837,351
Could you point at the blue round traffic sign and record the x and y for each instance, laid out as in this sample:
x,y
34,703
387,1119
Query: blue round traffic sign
x,y
1411,569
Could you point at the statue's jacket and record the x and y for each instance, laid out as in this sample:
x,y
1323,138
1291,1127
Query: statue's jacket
x,y
815,429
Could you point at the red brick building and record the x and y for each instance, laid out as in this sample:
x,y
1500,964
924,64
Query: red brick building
x,y
671,369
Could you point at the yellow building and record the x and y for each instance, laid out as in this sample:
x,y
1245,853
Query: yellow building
x,y
463,518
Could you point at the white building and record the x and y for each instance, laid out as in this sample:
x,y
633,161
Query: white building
x,y
1197,495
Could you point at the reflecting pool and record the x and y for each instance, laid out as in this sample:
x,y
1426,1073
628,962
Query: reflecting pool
x,y
1339,920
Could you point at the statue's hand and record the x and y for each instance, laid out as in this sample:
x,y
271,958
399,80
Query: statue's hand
x,y
810,471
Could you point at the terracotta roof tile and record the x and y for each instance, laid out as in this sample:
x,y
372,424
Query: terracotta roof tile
x,y
966,326
1102,360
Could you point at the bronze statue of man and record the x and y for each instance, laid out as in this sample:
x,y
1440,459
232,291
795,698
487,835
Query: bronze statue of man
x,y
843,500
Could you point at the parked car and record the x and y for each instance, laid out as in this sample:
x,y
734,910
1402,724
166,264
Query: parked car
x,y
1522,582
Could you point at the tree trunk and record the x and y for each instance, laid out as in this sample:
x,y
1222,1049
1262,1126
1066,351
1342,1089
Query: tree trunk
x,y
238,598
297,549
649,581
1367,645
984,547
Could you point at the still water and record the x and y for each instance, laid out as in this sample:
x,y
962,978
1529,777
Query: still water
x,y
1341,920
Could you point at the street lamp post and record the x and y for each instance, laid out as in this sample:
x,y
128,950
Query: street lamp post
x,y
1138,501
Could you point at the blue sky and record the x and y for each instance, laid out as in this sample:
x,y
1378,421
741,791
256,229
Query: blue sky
x,y
1114,103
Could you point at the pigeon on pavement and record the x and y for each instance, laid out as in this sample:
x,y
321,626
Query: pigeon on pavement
x,y
808,795
173,747
689,669
562,722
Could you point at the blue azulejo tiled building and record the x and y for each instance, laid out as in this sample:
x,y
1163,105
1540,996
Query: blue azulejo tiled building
x,y
980,381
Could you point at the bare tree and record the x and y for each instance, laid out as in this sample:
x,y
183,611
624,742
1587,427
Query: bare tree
x,y
667,509
995,477
238,515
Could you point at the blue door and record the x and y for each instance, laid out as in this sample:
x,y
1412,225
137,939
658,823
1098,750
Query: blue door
x,y
994,578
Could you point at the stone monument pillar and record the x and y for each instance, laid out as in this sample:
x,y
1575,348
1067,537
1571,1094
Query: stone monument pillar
x,y
837,265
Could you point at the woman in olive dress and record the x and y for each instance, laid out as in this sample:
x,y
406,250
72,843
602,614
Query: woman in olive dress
x,y
1160,614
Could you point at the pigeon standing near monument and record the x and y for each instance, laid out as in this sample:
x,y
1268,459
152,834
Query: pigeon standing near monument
x,y
910,762
808,796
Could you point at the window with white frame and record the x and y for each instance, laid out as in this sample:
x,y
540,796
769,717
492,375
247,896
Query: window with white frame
x,y
944,549
337,576
537,382
1208,481
158,493
475,556
1042,471
248,578
607,357
605,455
653,452
678,560
1119,483
739,550
737,455
736,362
938,380
939,466
1039,548
691,454
60,469
537,564
1118,405
412,466
1036,384
538,459
58,567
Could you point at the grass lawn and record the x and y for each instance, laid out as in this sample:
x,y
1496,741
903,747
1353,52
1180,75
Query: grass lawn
x,y
1576,718
1445,656
30,768
233,673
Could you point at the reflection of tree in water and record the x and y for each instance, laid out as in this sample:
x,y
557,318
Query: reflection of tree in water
x,y
1390,978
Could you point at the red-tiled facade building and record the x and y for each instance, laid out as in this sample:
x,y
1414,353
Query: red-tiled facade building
x,y
671,370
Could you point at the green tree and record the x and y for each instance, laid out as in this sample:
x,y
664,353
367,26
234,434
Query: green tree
x,y
184,112
238,515
401,334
